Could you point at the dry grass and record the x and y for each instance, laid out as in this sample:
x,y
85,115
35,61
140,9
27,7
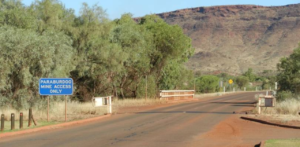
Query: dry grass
x,y
77,110
284,111
287,107
138,102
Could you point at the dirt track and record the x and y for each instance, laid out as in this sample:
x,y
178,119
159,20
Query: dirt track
x,y
200,123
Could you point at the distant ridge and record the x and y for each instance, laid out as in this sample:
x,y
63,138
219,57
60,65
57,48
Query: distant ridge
x,y
237,37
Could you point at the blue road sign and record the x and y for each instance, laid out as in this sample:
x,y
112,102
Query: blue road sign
x,y
56,86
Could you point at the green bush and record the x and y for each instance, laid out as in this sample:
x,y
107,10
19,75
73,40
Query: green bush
x,y
207,84
283,95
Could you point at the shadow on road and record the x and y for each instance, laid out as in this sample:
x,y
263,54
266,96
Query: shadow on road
x,y
238,103
244,105
199,112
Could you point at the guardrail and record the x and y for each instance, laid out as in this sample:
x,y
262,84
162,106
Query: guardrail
x,y
176,94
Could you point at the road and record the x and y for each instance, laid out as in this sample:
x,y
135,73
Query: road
x,y
173,126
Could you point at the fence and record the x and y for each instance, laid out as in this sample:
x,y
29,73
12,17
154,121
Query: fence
x,y
177,94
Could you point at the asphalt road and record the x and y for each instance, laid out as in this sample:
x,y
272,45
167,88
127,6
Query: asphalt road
x,y
174,126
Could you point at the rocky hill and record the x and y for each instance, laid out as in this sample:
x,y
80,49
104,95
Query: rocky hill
x,y
234,38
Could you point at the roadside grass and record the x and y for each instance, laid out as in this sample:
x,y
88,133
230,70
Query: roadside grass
x,y
7,125
284,111
287,107
283,143
75,111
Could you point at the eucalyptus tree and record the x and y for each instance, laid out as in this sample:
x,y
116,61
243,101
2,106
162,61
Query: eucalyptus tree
x,y
91,44
169,45
133,41
27,56
14,13
51,14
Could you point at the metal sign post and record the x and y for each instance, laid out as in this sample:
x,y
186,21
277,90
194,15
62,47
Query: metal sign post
x,y
65,108
48,109
56,86
230,82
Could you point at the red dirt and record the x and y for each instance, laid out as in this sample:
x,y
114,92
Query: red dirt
x,y
235,132
274,119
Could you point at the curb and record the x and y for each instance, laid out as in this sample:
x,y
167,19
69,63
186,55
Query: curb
x,y
53,126
269,123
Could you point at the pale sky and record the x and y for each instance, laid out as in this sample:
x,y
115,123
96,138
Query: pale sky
x,y
115,8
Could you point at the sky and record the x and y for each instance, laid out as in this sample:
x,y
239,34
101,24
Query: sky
x,y
115,8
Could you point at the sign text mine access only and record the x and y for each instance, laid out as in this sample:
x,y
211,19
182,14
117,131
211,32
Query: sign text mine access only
x,y
56,86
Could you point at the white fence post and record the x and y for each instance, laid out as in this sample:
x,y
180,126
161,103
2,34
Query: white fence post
x,y
110,106
259,101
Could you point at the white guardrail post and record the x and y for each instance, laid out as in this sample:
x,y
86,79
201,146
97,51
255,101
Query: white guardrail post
x,y
259,103
109,103
176,94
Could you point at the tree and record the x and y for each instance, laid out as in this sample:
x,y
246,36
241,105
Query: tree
x,y
14,13
103,57
94,52
242,81
289,72
207,84
28,56
168,43
249,73
176,76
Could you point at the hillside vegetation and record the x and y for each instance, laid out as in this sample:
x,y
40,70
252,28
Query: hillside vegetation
x,y
234,38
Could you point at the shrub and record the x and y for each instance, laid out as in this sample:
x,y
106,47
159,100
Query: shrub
x,y
283,95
